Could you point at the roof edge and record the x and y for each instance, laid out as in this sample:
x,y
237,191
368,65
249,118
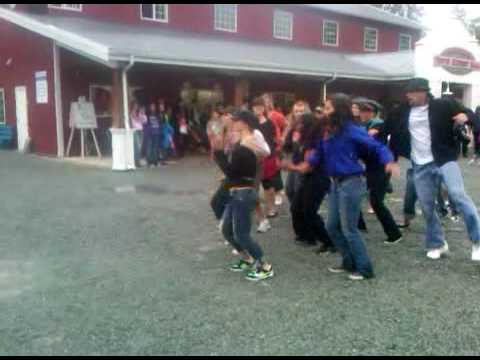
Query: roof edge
x,y
62,37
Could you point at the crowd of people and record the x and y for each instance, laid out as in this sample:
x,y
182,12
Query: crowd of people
x,y
341,152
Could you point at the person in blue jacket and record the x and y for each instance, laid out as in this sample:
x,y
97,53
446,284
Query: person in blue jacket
x,y
340,152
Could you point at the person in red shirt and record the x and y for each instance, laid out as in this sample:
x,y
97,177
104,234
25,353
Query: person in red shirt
x,y
279,121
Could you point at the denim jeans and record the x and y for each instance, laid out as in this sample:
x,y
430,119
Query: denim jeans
x,y
220,200
237,222
138,139
153,149
426,183
344,203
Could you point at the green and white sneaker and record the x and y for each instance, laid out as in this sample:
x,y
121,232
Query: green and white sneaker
x,y
260,274
242,265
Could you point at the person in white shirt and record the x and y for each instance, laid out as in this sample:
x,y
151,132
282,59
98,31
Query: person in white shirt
x,y
424,132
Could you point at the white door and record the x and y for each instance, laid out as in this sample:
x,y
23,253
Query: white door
x,y
21,107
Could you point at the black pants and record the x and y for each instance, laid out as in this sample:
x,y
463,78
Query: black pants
x,y
307,223
476,140
377,184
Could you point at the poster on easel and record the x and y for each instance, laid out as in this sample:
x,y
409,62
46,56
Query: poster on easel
x,y
83,117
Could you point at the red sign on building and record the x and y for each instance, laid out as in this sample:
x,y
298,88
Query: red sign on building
x,y
457,61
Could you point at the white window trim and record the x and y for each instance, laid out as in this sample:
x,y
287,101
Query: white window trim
x,y
365,30
325,22
153,12
2,91
57,7
409,41
215,16
290,15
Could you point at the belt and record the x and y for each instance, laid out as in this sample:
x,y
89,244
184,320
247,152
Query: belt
x,y
341,179
232,190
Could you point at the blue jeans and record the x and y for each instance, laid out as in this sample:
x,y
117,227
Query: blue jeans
x,y
138,140
344,203
427,178
153,149
237,222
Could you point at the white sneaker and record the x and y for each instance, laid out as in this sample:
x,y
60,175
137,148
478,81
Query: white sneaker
x,y
476,253
437,253
235,252
278,200
264,226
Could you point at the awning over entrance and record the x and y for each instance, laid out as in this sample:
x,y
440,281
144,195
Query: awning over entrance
x,y
111,43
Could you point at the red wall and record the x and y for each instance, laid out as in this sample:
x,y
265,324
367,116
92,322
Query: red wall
x,y
28,53
255,21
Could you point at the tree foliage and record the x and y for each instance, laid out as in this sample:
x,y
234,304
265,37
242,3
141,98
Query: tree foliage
x,y
409,11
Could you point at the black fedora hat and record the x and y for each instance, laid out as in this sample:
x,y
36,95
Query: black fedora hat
x,y
418,84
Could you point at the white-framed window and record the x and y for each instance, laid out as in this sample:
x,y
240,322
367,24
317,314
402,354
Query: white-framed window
x,y
282,25
225,17
155,12
2,107
72,7
370,39
404,42
330,33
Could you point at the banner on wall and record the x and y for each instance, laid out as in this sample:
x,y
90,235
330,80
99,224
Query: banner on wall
x,y
41,87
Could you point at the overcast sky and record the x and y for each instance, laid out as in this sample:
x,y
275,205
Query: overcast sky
x,y
436,13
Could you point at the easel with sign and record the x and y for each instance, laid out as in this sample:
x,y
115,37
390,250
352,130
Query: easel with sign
x,y
82,117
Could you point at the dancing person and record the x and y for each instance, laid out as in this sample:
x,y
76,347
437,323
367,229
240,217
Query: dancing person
x,y
307,223
476,135
270,164
340,151
377,178
240,172
299,109
423,130
278,119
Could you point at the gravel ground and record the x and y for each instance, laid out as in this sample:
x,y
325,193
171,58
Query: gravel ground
x,y
100,263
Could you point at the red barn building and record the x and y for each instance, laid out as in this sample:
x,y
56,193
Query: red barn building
x,y
50,55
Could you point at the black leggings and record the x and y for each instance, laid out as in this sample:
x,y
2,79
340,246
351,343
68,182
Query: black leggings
x,y
307,223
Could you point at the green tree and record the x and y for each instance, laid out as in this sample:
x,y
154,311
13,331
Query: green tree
x,y
461,14
409,11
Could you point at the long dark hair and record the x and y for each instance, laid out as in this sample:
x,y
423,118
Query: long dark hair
x,y
343,111
313,130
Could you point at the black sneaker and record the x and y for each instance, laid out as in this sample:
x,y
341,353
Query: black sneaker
x,y
393,241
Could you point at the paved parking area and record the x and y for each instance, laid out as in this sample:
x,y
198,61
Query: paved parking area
x,y
100,263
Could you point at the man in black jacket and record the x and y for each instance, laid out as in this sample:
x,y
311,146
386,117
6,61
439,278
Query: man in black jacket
x,y
423,131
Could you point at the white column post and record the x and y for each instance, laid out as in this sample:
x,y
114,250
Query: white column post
x,y
57,80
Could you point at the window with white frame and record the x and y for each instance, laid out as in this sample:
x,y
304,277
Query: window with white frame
x,y
330,33
283,25
225,17
73,7
405,42
2,106
156,12
370,39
